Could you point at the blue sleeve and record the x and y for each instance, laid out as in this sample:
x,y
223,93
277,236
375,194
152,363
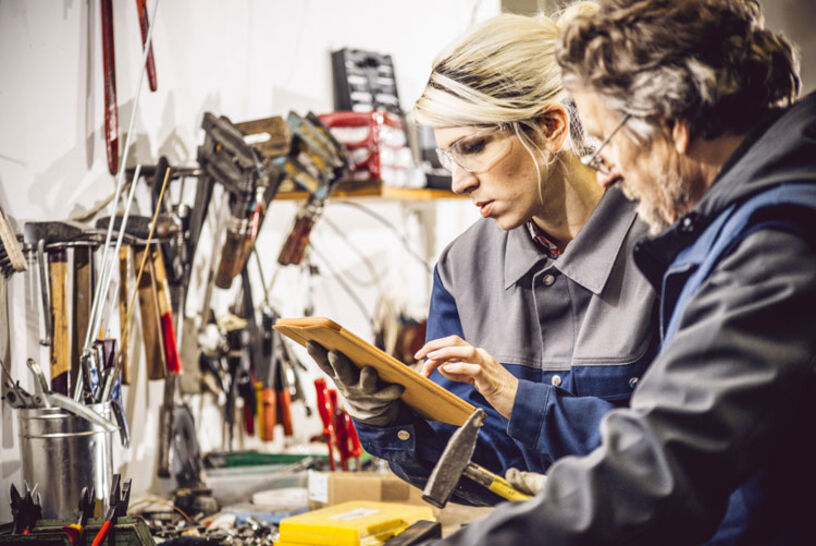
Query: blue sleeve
x,y
553,423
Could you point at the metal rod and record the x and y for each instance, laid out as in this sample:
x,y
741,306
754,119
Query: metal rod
x,y
106,266
45,295
121,236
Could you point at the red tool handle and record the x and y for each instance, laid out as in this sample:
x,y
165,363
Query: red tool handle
x,y
249,420
144,25
74,533
109,65
171,353
355,448
340,435
283,400
324,409
103,532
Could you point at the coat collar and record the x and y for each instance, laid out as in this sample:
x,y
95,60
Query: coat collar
x,y
589,258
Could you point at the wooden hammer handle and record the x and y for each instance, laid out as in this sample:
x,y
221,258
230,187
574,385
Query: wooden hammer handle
x,y
151,320
61,341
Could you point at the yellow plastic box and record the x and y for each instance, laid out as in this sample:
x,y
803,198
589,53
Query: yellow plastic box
x,y
353,523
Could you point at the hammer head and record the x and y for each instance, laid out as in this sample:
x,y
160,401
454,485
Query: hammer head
x,y
454,460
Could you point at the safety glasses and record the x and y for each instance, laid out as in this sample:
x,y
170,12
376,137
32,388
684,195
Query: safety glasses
x,y
478,152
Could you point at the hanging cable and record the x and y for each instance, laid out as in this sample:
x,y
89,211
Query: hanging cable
x,y
363,258
390,226
354,297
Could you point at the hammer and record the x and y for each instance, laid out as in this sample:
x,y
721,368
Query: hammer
x,y
455,462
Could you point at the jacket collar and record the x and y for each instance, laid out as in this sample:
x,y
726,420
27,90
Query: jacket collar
x,y
589,258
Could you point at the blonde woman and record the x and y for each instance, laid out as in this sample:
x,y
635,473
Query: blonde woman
x,y
538,314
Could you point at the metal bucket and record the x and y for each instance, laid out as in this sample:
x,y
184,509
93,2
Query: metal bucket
x,y
64,453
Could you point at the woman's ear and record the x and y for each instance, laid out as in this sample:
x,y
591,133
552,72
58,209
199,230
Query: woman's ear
x,y
554,124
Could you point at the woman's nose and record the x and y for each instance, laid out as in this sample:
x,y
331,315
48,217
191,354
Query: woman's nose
x,y
463,181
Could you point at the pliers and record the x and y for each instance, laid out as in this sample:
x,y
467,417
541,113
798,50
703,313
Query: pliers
x,y
16,396
25,510
75,531
118,507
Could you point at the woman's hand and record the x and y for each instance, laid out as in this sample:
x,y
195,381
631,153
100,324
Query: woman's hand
x,y
458,360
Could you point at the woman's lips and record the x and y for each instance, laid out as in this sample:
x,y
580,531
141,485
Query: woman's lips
x,y
485,208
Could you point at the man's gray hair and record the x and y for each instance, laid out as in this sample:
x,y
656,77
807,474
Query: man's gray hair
x,y
711,63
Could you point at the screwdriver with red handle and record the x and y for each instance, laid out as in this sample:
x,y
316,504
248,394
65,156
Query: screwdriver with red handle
x,y
324,409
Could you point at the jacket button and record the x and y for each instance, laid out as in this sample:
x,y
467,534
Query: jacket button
x,y
556,380
633,382
548,279
688,224
403,435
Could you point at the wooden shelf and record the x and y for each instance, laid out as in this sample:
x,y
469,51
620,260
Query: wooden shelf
x,y
400,194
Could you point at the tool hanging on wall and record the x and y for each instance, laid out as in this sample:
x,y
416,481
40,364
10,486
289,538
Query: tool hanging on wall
x,y
11,253
238,167
100,295
60,350
150,314
235,328
144,25
325,411
83,275
316,162
109,74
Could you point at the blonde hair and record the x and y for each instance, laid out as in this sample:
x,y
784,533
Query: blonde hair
x,y
502,72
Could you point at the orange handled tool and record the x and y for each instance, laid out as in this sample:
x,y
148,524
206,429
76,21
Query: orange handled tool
x,y
119,500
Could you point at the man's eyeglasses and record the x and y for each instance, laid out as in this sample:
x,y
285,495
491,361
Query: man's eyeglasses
x,y
476,153
595,161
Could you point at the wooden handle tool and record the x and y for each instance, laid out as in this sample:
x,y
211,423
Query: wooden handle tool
x,y
109,72
61,342
125,259
151,320
171,353
83,301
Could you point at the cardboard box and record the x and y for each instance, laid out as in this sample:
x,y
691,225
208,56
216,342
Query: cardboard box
x,y
329,488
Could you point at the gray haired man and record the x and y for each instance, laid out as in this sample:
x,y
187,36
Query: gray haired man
x,y
695,104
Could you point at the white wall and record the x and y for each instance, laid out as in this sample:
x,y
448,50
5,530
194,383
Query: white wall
x,y
244,59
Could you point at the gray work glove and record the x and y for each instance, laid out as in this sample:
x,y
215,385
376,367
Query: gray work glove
x,y
526,482
369,400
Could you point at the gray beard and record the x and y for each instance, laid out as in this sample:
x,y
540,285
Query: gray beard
x,y
677,189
